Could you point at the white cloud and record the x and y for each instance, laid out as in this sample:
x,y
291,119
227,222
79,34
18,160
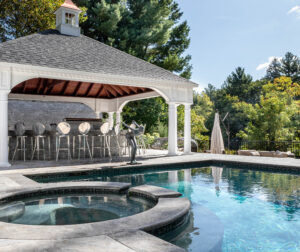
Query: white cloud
x,y
266,64
199,89
294,9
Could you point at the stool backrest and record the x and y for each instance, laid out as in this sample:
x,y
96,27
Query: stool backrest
x,y
38,129
117,129
20,129
63,128
104,129
84,128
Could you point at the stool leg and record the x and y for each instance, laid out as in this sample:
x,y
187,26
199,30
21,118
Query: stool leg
x,y
43,142
88,147
34,148
93,139
57,147
69,151
108,146
84,144
16,148
74,140
38,147
49,147
24,147
79,148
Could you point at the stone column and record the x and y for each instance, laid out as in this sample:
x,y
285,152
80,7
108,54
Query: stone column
x,y
187,128
172,132
118,118
4,128
99,115
111,119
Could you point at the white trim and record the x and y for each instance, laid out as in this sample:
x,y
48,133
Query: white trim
x,y
64,74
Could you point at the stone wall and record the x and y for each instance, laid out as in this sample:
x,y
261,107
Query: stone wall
x,y
45,112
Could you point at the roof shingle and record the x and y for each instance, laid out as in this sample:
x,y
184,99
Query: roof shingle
x,y
54,50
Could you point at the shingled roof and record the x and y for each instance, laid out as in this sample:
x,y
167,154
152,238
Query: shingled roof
x,y
54,50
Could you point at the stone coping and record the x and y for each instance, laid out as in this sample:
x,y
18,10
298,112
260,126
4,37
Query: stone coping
x,y
65,187
121,170
154,192
166,215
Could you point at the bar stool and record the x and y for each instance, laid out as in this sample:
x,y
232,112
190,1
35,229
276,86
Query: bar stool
x,y
123,143
141,142
9,137
103,140
63,129
83,142
38,131
20,140
114,137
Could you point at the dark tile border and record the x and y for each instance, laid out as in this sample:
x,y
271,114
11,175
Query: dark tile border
x,y
115,171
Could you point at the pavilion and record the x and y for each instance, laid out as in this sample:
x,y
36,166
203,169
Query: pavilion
x,y
62,65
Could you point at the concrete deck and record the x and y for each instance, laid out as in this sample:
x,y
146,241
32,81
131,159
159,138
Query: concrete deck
x,y
154,158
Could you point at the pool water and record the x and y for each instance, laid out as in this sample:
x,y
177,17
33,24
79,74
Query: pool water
x,y
71,209
260,211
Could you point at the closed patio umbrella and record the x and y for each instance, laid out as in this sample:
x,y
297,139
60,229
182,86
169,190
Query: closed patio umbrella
x,y
216,172
216,141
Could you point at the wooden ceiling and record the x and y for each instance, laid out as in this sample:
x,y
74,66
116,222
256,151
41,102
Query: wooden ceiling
x,y
41,86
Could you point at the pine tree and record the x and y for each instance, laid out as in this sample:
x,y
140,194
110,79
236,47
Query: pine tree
x,y
274,70
291,67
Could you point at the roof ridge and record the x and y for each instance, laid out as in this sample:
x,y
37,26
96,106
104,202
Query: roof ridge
x,y
69,4
144,61
18,39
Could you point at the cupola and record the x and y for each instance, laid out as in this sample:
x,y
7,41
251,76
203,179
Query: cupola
x,y
67,19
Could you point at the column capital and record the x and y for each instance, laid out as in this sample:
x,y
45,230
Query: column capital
x,y
173,104
4,94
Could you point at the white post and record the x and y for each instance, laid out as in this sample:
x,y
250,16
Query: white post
x,y
111,119
187,128
4,128
99,115
118,118
172,133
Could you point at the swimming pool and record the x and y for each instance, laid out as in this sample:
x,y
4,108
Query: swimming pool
x,y
260,211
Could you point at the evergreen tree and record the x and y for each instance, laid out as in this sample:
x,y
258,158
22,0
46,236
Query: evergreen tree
x,y
274,70
237,84
291,67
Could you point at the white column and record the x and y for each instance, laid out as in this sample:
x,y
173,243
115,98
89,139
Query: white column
x,y
118,117
111,119
99,115
4,128
187,128
172,133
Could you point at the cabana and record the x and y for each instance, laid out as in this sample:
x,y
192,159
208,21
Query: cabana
x,y
62,65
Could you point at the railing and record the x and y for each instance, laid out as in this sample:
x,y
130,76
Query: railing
x,y
292,146
236,144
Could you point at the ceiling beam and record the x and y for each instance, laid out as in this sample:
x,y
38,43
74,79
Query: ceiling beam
x,y
111,90
89,89
126,89
62,92
117,89
99,91
77,88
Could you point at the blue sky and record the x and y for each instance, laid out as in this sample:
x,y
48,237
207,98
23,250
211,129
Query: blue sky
x,y
226,34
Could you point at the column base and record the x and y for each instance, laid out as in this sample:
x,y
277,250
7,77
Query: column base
x,y
187,153
171,154
4,165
